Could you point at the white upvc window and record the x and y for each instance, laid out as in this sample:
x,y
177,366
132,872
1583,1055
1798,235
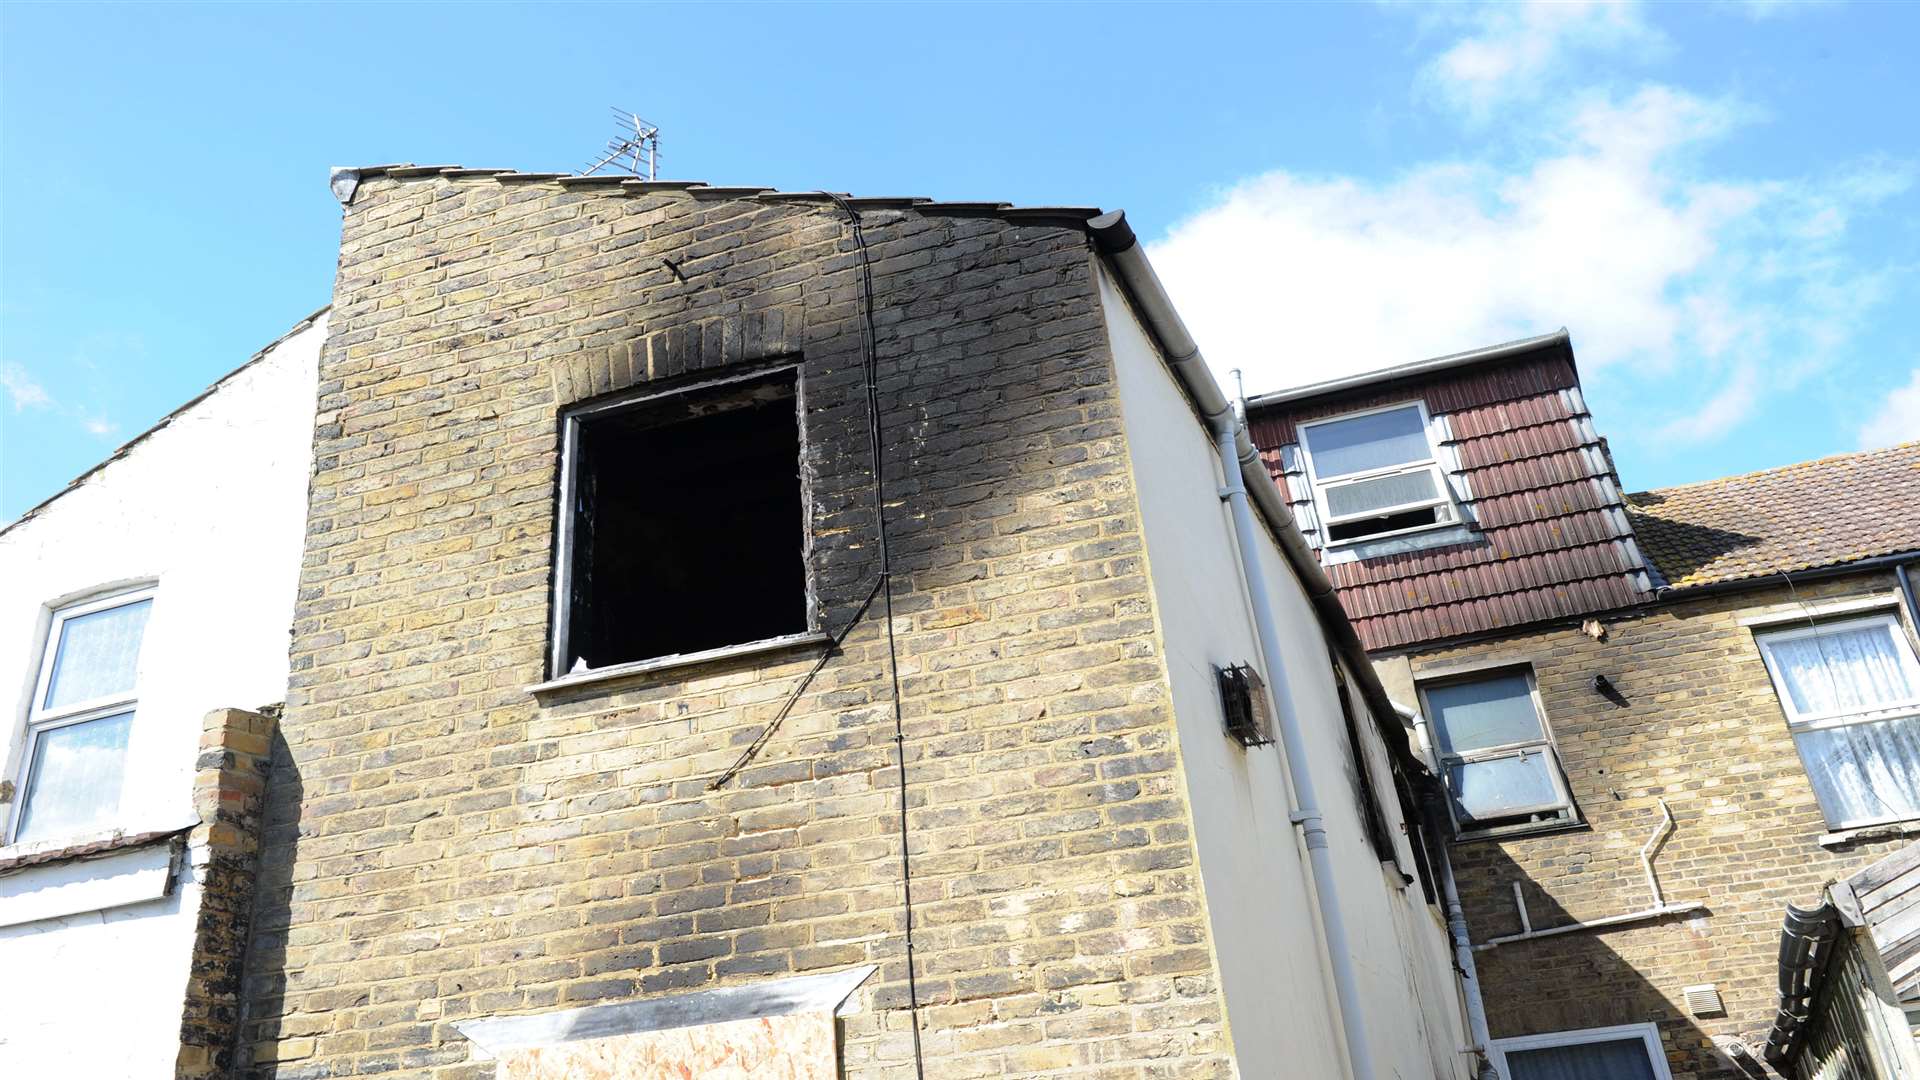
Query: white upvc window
x,y
1501,769
1375,473
1627,1052
73,766
1851,694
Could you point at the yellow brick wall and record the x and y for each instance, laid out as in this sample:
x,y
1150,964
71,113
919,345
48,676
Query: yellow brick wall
x,y
1702,730
444,846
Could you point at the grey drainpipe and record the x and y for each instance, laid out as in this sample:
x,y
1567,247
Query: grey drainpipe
x,y
1906,591
1117,242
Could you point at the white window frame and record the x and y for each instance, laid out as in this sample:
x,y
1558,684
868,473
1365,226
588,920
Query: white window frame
x,y
1445,515
562,601
1543,745
1798,722
41,719
1649,1034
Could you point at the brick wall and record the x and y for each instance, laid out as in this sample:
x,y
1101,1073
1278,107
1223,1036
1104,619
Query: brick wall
x,y
228,795
445,846
1702,730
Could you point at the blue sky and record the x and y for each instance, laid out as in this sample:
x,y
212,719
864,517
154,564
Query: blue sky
x,y
1719,200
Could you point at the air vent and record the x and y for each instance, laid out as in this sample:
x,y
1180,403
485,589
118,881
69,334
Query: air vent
x,y
1244,699
1704,1000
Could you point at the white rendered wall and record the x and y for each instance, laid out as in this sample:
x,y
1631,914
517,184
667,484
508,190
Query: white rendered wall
x,y
1254,868
212,507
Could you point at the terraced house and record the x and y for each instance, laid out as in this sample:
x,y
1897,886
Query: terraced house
x,y
781,634
1661,718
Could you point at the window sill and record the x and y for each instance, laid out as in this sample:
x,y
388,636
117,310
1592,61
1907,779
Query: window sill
x,y
1886,831
1521,832
102,842
638,668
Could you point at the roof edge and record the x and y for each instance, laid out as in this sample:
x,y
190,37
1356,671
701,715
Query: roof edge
x,y
1484,354
126,447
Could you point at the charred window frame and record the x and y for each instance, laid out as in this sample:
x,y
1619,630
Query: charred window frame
x,y
682,525
1376,822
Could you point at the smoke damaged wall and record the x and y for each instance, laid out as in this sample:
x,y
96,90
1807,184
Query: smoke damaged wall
x,y
445,844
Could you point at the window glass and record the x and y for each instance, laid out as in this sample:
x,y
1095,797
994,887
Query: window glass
x,y
1864,772
1613,1059
76,775
1494,711
1848,669
1501,787
97,655
1380,493
1358,444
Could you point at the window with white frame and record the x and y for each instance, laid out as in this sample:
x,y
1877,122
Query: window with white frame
x,y
1502,772
75,758
1628,1052
1851,692
1375,473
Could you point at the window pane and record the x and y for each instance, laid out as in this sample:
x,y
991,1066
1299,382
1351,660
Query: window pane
x,y
1374,441
1865,772
97,654
74,785
1368,496
1848,669
1503,787
1615,1059
1497,711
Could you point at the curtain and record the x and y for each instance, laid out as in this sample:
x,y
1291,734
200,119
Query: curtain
x,y
98,654
1864,772
1848,670
76,778
1615,1059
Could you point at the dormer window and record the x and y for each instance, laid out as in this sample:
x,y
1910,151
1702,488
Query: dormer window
x,y
1375,474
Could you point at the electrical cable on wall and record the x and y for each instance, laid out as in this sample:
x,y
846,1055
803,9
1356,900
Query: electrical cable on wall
x,y
882,587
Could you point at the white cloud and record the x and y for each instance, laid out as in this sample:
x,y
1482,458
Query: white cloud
x,y
1609,229
1898,420
22,389
99,426
1515,50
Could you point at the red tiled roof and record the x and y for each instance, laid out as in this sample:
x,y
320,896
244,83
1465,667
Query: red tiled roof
x,y
1828,512
1549,537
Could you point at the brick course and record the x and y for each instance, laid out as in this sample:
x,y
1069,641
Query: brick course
x,y
1702,730
443,846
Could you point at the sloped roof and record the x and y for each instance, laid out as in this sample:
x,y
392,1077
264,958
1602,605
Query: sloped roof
x,y
1827,512
1547,535
347,180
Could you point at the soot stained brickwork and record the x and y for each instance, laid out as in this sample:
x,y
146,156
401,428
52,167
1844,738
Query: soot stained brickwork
x,y
1702,729
444,845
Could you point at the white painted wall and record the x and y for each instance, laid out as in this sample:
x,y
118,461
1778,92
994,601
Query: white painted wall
x,y
211,505
1254,868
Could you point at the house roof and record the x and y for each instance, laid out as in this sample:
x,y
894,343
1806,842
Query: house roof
x,y
1547,534
127,447
1827,512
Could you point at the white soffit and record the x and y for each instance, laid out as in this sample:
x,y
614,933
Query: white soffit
x,y
494,1035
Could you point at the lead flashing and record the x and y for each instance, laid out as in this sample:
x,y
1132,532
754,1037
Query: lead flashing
x,y
495,1035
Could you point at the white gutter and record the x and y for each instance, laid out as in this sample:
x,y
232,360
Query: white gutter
x,y
1243,476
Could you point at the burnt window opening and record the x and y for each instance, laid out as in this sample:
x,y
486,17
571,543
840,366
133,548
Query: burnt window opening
x,y
685,526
